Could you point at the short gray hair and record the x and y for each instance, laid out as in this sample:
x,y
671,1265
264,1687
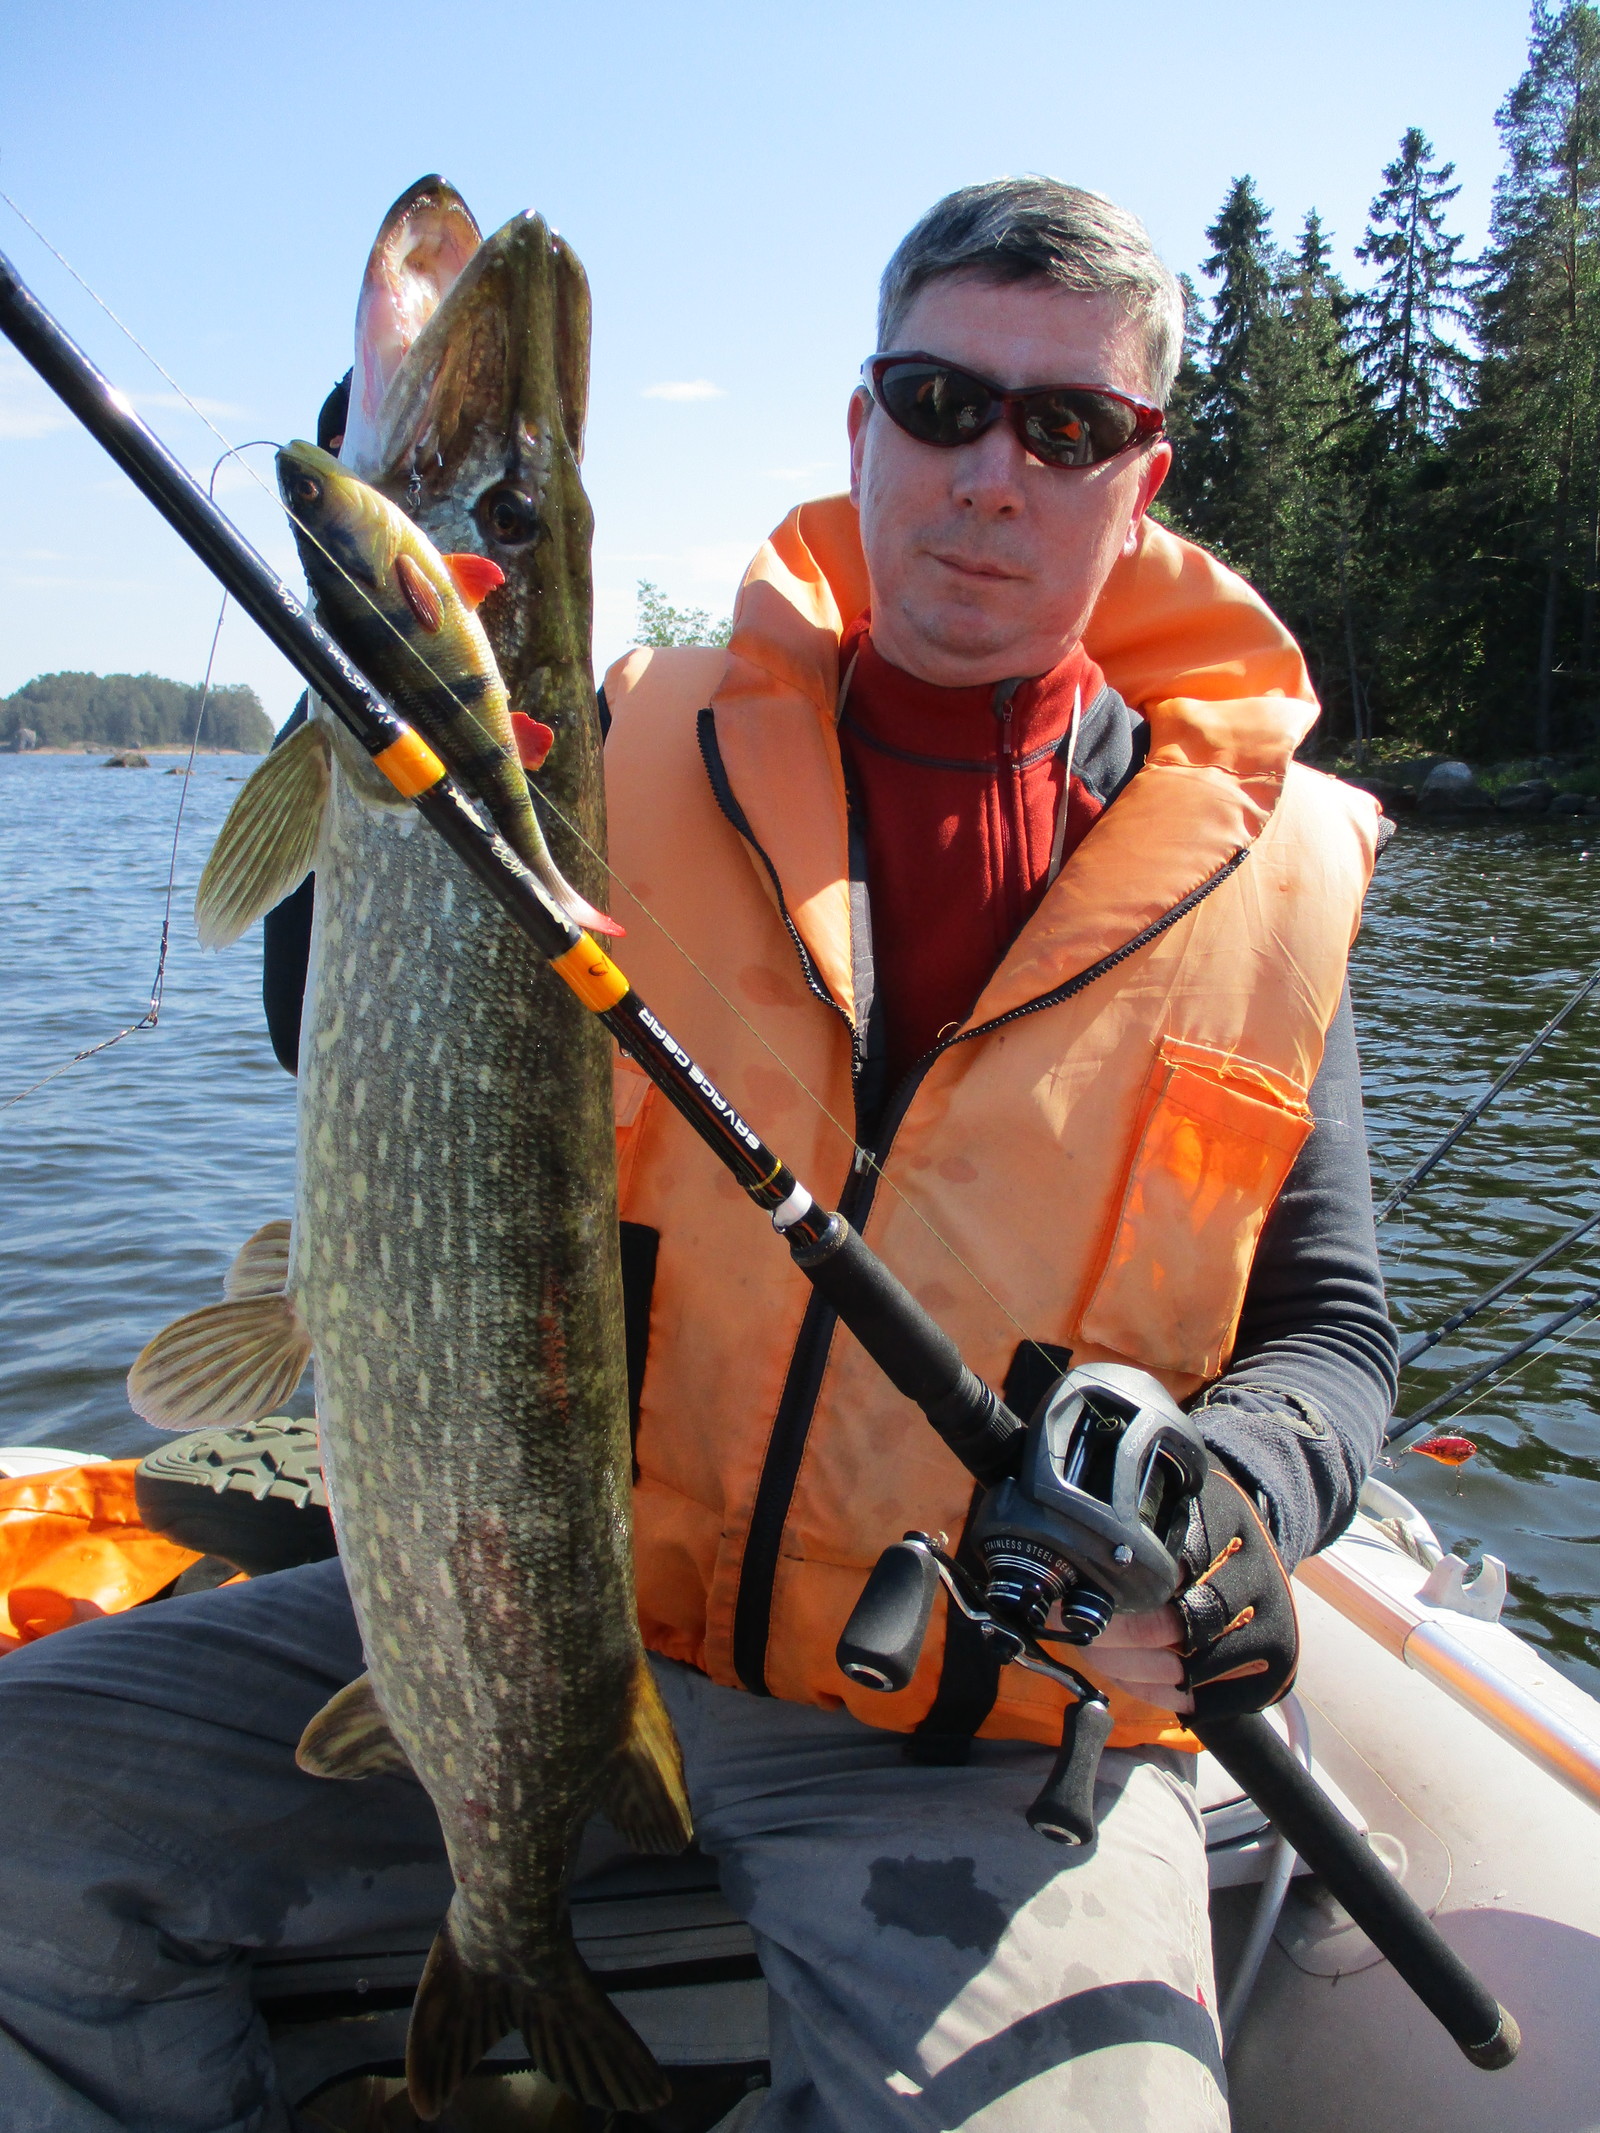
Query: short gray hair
x,y
1027,229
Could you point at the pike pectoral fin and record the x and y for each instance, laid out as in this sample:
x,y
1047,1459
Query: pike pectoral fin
x,y
231,1362
269,841
644,1796
574,2035
262,1265
350,1738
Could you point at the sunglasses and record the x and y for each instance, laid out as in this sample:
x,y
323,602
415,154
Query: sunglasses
x,y
1063,425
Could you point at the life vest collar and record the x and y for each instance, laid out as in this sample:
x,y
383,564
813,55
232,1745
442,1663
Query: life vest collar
x,y
1211,781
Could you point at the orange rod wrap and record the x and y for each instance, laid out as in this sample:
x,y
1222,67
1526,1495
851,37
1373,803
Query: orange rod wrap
x,y
591,974
410,765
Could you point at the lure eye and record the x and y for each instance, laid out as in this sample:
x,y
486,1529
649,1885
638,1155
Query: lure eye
x,y
508,517
306,489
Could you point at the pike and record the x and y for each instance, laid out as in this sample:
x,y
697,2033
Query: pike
x,y
452,1265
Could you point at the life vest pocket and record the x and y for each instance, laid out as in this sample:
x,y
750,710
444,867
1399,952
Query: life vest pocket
x,y
1214,1139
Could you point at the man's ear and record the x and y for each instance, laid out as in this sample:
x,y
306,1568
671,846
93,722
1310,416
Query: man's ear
x,y
1155,474
856,418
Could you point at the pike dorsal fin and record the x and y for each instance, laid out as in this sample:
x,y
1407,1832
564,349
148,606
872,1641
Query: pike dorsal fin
x,y
350,1737
643,1795
267,845
475,576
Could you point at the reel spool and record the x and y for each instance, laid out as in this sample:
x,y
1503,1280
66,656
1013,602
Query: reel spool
x,y
1091,1523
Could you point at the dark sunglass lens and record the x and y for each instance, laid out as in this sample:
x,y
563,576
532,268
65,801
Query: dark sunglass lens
x,y
1078,429
934,403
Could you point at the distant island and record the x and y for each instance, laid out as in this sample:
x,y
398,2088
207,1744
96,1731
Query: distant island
x,y
129,711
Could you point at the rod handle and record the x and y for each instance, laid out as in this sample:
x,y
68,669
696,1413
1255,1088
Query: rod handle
x,y
1251,1752
1064,1810
914,1353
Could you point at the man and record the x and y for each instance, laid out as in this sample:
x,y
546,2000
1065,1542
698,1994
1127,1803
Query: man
x,y
1040,985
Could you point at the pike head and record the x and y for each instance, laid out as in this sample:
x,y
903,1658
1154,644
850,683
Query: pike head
x,y
477,432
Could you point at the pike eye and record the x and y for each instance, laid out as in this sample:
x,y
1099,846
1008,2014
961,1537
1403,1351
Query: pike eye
x,y
508,517
306,489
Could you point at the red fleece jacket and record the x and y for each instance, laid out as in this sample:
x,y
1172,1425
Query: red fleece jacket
x,y
960,791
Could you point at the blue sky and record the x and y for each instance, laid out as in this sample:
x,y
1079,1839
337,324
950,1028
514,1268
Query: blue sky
x,y
733,177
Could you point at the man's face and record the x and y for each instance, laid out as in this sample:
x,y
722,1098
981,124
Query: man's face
x,y
984,562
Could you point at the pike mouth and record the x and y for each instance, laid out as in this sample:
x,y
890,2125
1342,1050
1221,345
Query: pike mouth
x,y
423,243
475,409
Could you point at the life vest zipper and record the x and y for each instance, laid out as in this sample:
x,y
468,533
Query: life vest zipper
x,y
808,1362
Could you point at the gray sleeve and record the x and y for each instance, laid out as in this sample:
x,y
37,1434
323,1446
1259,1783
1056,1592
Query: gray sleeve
x,y
1298,1416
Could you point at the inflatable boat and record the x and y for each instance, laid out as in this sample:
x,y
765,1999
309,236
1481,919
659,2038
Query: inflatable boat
x,y
1469,1763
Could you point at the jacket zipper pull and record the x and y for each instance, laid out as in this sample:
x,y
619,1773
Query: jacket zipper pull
x,y
1004,691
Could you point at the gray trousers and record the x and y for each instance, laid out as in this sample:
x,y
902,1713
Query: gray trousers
x,y
932,1962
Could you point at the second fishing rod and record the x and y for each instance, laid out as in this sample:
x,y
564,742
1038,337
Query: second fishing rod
x,y
1082,1503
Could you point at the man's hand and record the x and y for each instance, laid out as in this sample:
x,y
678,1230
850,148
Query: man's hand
x,y
1142,1654
1230,1642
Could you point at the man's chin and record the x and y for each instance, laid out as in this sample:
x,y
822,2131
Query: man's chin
x,y
958,637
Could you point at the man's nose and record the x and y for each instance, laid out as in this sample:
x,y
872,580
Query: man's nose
x,y
987,475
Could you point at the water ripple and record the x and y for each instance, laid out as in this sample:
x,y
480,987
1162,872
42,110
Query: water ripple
x,y
1474,936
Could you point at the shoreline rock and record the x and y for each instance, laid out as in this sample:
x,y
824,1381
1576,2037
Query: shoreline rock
x,y
1451,789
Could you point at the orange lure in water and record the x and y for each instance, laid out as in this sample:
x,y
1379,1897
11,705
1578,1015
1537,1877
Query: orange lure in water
x,y
1449,1451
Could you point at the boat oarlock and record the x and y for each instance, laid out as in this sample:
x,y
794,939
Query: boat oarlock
x,y
915,1354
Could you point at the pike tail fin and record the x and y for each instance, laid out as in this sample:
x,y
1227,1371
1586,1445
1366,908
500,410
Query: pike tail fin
x,y
574,2035
644,1796
266,846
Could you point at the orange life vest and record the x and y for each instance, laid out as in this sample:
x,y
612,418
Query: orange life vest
x,y
1086,1164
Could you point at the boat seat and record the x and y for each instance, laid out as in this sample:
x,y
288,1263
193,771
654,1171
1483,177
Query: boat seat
x,y
659,1934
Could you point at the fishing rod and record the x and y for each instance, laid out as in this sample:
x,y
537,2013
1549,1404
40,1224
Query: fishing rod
x,y
1422,1342
1414,1177
1405,1433
913,1351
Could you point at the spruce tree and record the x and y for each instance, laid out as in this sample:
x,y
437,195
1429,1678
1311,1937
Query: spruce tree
x,y
1318,423
1226,492
1411,319
1533,437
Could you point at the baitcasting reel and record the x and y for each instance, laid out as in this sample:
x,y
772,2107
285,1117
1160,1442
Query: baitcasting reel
x,y
1092,1522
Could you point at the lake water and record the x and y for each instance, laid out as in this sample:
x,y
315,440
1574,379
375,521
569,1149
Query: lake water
x,y
127,1184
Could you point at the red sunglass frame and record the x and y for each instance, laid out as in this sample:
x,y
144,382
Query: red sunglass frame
x,y
1149,420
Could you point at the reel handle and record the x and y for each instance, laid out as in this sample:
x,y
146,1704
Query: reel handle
x,y
882,1640
1064,1810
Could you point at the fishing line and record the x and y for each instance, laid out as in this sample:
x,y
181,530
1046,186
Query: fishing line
x,y
1498,1383
861,1155
1475,1111
152,1013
